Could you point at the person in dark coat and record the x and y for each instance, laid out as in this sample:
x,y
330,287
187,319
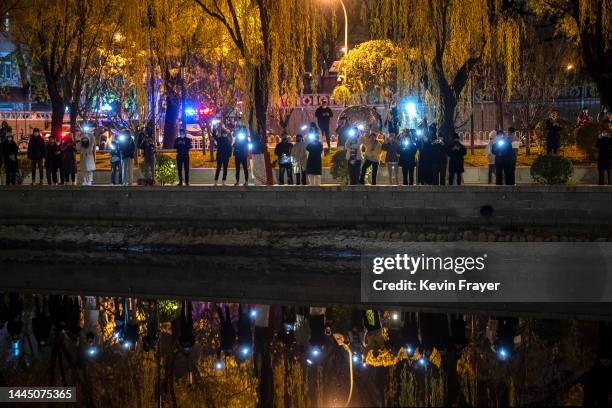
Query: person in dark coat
x,y
223,140
227,333
604,156
182,145
241,154
53,161
553,133
440,162
186,336
314,165
147,145
456,153
36,154
68,150
5,129
9,153
324,115
41,322
426,163
504,160
407,159
285,162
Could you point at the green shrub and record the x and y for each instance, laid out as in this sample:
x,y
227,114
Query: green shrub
x,y
165,170
552,169
339,167
586,137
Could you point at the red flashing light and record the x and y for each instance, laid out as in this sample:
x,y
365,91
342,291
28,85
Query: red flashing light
x,y
206,111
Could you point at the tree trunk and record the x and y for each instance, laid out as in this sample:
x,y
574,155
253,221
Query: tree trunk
x,y
448,105
259,128
170,128
57,117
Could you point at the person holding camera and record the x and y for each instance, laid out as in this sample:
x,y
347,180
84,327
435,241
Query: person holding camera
x,y
314,163
407,158
285,162
241,154
504,160
182,145
88,158
353,156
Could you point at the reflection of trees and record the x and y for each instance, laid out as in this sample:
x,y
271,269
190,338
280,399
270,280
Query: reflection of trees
x,y
545,369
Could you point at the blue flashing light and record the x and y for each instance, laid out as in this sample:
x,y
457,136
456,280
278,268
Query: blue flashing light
x,y
106,107
411,110
190,112
503,354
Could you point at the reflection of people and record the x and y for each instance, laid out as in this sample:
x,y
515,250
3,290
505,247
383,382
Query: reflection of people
x,y
324,115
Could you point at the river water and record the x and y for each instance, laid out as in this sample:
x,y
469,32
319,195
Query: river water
x,y
135,328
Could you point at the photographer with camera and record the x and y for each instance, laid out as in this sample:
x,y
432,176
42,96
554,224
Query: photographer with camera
x,y
242,149
285,161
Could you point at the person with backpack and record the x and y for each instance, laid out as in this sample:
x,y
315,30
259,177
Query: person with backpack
x,y
36,154
88,158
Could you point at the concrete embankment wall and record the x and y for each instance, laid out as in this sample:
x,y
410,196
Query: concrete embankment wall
x,y
338,218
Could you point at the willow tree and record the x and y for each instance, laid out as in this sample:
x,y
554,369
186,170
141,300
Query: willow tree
x,y
443,41
272,38
62,38
589,24
371,71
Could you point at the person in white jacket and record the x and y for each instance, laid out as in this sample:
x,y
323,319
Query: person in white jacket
x,y
87,150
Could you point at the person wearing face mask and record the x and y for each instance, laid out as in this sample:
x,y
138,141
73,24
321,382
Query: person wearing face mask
x,y
36,153
182,144
224,152
53,160
9,153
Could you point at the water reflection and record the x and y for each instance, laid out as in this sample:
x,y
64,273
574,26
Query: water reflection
x,y
121,351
